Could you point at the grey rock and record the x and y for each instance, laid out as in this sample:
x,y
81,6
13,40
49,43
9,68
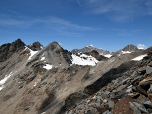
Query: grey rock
x,y
36,46
141,107
99,98
142,70
134,108
107,113
149,110
90,112
149,70
148,104
111,104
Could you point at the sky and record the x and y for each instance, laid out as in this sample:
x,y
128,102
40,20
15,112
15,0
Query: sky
x,y
106,24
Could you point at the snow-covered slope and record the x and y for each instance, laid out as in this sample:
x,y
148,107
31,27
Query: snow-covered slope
x,y
139,57
84,60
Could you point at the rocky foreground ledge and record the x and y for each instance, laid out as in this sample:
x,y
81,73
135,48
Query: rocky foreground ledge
x,y
131,93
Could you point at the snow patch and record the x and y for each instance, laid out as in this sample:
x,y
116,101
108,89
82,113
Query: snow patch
x,y
60,44
139,57
35,84
48,67
2,82
125,52
5,78
41,47
1,87
84,60
32,53
108,55
43,58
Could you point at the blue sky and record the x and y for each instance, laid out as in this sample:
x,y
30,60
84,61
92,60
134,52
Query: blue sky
x,y
106,24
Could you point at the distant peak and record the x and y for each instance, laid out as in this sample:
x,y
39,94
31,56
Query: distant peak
x,y
36,46
130,47
18,41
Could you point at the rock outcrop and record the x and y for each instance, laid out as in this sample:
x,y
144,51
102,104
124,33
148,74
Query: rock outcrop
x,y
96,55
36,46
130,48
7,50
89,49
53,54
127,49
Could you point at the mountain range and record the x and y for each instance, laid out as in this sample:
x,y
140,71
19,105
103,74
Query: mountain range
x,y
51,80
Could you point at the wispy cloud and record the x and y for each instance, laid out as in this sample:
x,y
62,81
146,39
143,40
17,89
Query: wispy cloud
x,y
59,25
58,22
78,3
149,7
119,10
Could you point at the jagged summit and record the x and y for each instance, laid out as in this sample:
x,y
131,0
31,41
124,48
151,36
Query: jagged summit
x,y
130,48
127,49
36,46
53,54
6,50
89,49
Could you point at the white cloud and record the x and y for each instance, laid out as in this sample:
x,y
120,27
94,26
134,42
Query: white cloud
x,y
60,44
142,46
91,45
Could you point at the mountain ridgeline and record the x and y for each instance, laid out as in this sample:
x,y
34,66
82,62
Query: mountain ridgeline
x,y
51,80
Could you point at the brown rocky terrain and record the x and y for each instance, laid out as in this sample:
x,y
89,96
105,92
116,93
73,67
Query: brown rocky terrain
x,y
27,86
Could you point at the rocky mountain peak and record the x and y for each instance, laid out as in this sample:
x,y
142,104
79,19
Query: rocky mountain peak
x,y
96,55
130,48
36,46
89,49
6,50
54,46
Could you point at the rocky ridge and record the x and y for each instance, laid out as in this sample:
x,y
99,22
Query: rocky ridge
x,y
89,49
129,93
46,81
127,49
36,46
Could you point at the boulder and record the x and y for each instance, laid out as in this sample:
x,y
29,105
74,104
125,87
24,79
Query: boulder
x,y
141,107
122,106
148,70
148,104
134,108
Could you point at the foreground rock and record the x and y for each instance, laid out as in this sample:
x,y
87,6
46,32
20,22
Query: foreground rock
x,y
129,93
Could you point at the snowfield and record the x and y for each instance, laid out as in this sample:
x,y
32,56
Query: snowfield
x,y
84,60
48,67
31,52
139,57
2,82
108,55
43,58
125,52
